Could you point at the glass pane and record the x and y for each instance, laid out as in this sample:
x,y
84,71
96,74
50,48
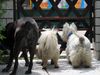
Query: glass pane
x,y
81,4
63,4
31,4
45,4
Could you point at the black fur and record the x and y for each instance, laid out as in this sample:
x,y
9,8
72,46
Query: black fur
x,y
25,38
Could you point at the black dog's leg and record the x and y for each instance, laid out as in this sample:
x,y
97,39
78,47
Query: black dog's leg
x,y
9,64
63,46
16,53
52,62
31,61
25,57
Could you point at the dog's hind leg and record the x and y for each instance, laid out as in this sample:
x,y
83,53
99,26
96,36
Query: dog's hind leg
x,y
87,60
44,61
25,57
9,64
55,63
52,62
55,59
75,61
16,53
31,51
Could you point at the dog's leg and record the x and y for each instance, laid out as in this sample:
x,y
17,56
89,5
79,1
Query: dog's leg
x,y
76,63
16,53
75,60
25,57
69,61
87,60
55,62
52,62
31,61
7,68
45,61
63,46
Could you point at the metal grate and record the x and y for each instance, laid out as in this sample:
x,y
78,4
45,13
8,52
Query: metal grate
x,y
55,16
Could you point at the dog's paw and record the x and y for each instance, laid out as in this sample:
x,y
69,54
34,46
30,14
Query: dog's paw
x,y
75,67
56,67
28,72
45,68
87,66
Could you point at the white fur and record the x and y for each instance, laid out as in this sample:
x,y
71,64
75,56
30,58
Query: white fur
x,y
48,47
76,51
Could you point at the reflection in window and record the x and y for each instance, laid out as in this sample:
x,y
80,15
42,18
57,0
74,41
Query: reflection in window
x,y
45,4
63,4
81,4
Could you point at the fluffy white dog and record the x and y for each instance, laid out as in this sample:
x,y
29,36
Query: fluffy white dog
x,y
78,47
48,48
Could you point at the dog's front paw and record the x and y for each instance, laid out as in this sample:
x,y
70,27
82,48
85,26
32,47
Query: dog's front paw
x,y
28,72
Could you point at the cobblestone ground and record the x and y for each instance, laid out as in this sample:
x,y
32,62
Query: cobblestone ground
x,y
64,68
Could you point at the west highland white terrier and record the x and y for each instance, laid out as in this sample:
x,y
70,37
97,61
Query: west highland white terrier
x,y
78,46
48,48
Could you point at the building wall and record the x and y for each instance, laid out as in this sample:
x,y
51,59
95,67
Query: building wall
x,y
97,28
8,8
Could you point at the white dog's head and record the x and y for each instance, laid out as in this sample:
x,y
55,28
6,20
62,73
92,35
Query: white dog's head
x,y
68,30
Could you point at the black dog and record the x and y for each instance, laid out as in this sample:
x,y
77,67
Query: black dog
x,y
9,42
25,37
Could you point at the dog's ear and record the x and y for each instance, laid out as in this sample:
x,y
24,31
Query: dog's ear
x,y
66,25
73,26
65,31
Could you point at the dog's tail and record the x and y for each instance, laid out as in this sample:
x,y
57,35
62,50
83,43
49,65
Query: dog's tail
x,y
51,41
73,29
81,38
48,39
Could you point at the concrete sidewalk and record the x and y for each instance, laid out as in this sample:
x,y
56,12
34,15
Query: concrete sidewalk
x,y
64,68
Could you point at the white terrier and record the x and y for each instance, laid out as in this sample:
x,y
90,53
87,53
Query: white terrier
x,y
48,48
78,46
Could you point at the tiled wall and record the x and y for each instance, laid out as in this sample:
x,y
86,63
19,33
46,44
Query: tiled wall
x,y
97,28
8,16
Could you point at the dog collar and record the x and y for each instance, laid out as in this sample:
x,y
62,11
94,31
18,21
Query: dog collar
x,y
69,34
